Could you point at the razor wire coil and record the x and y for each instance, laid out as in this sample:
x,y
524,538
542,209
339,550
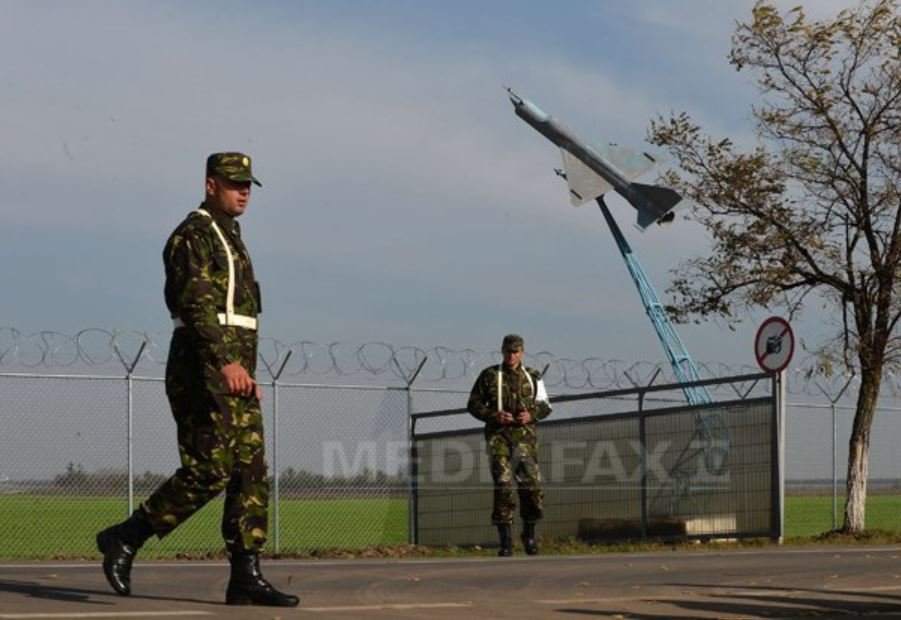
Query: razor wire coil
x,y
94,348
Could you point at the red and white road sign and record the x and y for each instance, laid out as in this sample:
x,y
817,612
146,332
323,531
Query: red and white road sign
x,y
774,344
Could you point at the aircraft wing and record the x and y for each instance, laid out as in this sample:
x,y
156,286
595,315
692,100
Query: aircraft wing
x,y
630,163
584,183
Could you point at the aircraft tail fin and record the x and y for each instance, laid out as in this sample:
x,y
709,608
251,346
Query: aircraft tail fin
x,y
660,201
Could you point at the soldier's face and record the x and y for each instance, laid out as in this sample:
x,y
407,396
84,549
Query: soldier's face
x,y
513,358
230,197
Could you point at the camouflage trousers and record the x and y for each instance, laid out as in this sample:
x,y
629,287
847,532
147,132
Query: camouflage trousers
x,y
220,442
515,461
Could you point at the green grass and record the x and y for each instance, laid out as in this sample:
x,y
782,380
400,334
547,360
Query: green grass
x,y
810,515
46,526
41,526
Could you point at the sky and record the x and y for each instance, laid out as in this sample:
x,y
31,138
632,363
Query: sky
x,y
402,200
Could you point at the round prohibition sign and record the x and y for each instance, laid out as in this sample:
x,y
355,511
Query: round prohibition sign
x,y
774,344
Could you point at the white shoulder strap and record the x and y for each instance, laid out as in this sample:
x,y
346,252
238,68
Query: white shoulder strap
x,y
500,384
500,388
529,378
230,296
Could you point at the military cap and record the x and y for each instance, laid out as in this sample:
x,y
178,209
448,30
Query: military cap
x,y
233,166
513,342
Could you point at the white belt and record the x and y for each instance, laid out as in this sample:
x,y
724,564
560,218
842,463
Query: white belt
x,y
235,320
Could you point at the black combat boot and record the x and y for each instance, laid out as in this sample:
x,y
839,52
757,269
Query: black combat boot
x,y
528,539
248,587
506,548
119,544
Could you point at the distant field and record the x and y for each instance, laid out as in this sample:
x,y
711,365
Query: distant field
x,y
40,526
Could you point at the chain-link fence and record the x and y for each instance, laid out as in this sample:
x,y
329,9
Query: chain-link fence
x,y
817,462
78,451
620,464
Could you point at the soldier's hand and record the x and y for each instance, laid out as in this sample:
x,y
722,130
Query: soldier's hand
x,y
238,381
524,417
504,417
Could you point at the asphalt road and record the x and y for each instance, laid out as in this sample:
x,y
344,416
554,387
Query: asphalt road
x,y
834,582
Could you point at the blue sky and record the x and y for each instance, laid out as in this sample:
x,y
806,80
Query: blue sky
x,y
402,202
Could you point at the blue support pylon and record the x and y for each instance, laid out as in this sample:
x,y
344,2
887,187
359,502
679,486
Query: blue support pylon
x,y
683,367
712,440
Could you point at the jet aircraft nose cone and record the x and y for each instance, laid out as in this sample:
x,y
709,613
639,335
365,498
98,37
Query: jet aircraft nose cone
x,y
534,111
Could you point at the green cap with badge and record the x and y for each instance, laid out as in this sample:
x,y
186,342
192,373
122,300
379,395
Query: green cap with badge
x,y
233,166
512,343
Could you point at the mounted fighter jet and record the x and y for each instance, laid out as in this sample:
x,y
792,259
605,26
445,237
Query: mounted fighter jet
x,y
591,172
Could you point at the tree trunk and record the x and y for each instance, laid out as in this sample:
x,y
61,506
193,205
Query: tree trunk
x,y
859,452
855,503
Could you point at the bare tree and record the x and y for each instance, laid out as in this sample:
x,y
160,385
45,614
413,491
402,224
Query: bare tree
x,y
813,212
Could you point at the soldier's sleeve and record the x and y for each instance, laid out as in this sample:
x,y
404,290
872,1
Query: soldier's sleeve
x,y
542,404
190,259
477,405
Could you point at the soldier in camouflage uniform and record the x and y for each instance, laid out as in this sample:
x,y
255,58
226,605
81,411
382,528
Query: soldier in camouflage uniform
x,y
510,399
214,301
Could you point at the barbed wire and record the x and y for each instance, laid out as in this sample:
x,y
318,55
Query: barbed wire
x,y
95,348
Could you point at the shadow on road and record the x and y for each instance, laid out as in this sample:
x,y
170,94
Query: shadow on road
x,y
83,595
765,602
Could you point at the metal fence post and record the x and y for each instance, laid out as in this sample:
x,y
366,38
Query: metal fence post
x,y
779,397
832,402
834,471
275,465
129,426
643,456
642,442
412,528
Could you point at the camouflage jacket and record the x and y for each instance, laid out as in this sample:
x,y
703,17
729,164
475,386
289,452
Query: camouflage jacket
x,y
518,392
196,291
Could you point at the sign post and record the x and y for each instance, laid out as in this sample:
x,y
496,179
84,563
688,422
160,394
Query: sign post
x,y
774,346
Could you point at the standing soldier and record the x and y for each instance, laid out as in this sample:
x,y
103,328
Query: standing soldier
x,y
510,399
214,300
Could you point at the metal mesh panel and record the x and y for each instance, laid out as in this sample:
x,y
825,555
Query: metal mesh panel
x,y
453,490
62,444
341,466
64,472
593,474
816,466
706,472
712,483
808,469
342,463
